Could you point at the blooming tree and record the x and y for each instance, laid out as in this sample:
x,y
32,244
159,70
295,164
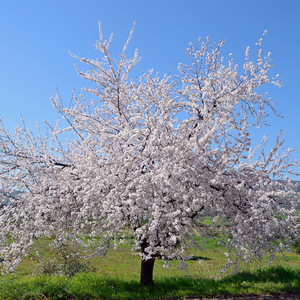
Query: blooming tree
x,y
135,167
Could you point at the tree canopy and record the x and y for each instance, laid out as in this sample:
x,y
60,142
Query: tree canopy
x,y
134,166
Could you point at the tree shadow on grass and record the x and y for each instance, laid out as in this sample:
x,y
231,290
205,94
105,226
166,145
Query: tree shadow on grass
x,y
195,258
276,274
263,281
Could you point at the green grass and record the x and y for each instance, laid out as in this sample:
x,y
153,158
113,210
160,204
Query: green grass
x,y
101,286
118,277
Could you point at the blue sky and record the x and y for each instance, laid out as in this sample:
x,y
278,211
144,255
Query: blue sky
x,y
36,35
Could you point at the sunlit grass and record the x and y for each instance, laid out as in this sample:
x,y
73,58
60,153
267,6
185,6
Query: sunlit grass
x,y
117,277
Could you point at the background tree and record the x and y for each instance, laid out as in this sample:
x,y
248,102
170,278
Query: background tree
x,y
135,164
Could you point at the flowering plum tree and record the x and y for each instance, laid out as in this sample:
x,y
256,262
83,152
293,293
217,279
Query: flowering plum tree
x,y
137,166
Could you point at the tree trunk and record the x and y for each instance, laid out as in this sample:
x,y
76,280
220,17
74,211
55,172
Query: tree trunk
x,y
147,272
146,268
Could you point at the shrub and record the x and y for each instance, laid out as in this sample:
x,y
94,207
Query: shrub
x,y
296,246
213,232
68,261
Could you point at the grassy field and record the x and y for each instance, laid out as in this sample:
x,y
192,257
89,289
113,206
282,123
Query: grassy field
x,y
117,277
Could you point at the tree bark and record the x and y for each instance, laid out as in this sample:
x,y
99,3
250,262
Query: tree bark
x,y
147,272
146,268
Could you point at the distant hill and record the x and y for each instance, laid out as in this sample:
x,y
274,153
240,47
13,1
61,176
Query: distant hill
x,y
4,198
298,188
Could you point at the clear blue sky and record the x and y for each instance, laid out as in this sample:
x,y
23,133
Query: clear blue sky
x,y
36,35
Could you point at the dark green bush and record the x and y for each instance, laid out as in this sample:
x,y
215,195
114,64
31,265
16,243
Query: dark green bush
x,y
296,247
